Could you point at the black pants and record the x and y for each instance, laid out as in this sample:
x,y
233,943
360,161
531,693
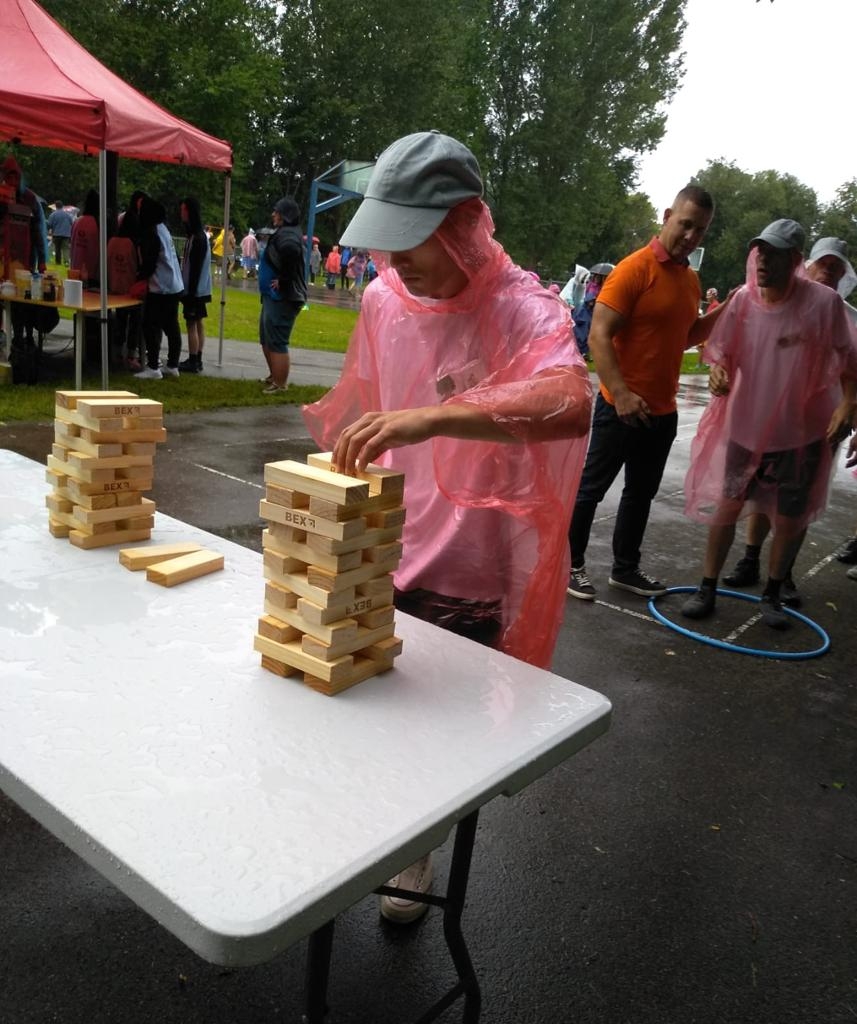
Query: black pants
x,y
59,243
161,316
476,620
643,451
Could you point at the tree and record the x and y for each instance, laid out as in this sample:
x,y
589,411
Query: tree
x,y
555,98
745,204
576,96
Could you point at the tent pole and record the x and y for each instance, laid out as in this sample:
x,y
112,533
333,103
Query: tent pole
x,y
227,193
102,253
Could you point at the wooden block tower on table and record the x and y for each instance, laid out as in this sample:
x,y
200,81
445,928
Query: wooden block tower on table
x,y
330,547
100,466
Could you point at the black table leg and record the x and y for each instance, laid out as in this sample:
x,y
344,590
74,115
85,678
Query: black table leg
x,y
317,974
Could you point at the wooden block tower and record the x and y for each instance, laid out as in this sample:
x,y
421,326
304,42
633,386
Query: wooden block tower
x,y
100,465
330,547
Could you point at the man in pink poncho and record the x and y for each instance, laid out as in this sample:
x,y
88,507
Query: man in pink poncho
x,y
462,372
783,344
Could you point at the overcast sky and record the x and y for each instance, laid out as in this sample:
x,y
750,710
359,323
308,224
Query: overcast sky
x,y
767,86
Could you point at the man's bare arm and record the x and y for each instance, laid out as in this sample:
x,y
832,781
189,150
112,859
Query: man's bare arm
x,y
631,408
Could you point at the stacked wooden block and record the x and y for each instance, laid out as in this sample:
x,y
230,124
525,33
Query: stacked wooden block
x,y
100,466
330,547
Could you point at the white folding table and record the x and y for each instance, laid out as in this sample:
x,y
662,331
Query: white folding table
x,y
240,810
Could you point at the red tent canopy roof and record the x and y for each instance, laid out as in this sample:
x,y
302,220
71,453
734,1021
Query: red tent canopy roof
x,y
54,93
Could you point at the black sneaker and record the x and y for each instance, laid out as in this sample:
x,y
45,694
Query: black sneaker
x,y
773,615
701,604
745,573
848,552
637,583
189,365
790,594
579,584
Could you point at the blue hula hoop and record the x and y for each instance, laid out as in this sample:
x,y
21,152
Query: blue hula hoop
x,y
757,652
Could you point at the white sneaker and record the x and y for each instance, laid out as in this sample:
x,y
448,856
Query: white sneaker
x,y
170,371
149,374
416,878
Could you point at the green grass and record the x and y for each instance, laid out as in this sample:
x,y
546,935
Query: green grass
x,y
323,327
188,393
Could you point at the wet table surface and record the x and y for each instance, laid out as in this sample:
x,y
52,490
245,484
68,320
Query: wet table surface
x,y
241,810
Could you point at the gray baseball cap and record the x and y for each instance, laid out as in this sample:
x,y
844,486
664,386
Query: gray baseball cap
x,y
782,234
832,246
415,183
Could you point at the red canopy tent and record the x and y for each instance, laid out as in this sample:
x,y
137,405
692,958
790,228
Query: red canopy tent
x,y
54,93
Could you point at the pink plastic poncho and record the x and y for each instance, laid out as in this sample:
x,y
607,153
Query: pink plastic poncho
x,y
784,363
486,521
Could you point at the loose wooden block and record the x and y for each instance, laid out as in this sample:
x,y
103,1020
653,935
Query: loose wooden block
x,y
59,451
329,652
307,556
142,558
275,629
278,597
69,399
302,520
286,497
278,668
380,479
144,508
326,580
319,483
105,540
183,568
109,408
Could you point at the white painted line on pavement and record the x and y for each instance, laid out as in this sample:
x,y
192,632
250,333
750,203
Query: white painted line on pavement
x,y
627,611
228,476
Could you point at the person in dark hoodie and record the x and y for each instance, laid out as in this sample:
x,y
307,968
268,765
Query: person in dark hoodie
x,y
283,291
160,282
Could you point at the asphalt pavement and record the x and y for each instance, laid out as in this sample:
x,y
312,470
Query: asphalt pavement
x,y
697,865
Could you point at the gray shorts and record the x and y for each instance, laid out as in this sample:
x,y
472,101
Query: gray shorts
x,y
276,322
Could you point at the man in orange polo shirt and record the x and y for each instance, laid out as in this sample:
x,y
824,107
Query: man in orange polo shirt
x,y
646,315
